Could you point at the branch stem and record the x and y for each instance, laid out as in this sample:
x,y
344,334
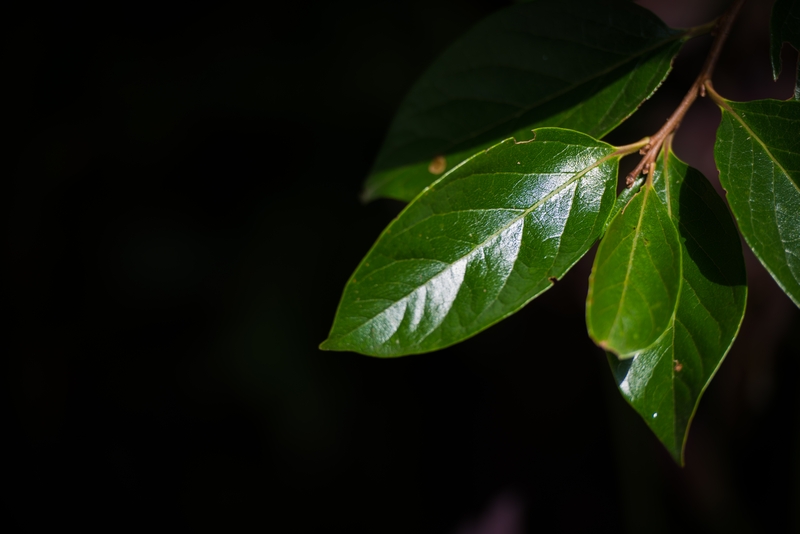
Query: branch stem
x,y
650,151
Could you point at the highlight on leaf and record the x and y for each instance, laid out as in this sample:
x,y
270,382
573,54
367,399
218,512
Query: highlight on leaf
x,y
478,244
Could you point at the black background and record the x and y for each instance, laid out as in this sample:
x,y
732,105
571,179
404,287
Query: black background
x,y
183,213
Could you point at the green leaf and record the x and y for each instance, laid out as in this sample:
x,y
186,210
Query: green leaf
x,y
584,65
664,382
785,27
635,280
623,198
758,156
478,244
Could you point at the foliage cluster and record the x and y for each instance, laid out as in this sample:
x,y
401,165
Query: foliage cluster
x,y
496,148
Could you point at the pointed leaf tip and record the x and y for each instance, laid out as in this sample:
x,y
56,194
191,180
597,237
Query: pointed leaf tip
x,y
784,27
670,376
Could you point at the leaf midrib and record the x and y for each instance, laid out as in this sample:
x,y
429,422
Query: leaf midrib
x,y
525,109
492,236
625,284
724,104
674,319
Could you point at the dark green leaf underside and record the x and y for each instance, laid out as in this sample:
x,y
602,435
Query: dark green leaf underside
x,y
664,382
478,245
578,64
758,156
636,276
785,27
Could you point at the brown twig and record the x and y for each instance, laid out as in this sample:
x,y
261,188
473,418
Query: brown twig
x,y
651,150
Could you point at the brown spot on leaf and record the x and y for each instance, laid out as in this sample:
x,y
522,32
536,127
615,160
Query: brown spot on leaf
x,y
437,165
678,366
552,279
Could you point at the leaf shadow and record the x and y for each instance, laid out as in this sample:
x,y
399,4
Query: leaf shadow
x,y
708,232
541,115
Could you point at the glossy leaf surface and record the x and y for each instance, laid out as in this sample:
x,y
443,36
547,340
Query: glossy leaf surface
x,y
478,245
584,65
636,277
758,156
623,198
785,27
664,382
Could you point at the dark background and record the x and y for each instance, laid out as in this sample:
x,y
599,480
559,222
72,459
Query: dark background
x,y
183,214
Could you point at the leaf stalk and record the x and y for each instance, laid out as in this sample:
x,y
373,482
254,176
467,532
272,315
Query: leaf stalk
x,y
697,31
638,146
723,25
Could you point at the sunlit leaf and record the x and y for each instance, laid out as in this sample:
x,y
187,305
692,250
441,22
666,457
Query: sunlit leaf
x,y
635,280
664,382
758,156
478,245
584,65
